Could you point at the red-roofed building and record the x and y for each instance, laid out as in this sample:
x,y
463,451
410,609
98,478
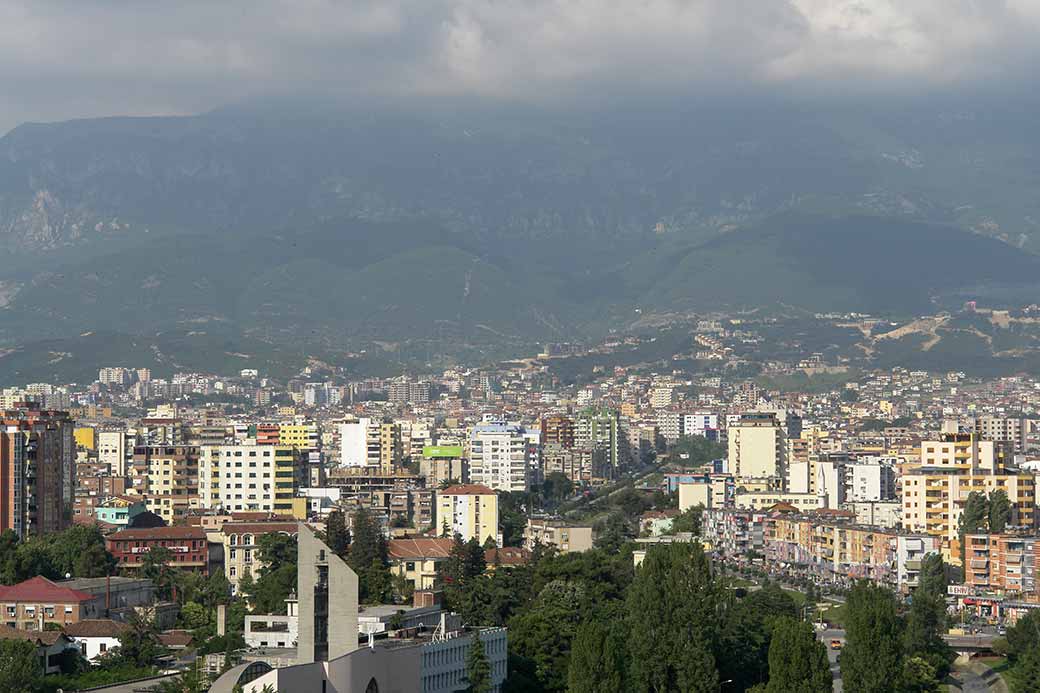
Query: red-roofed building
x,y
38,601
506,557
188,546
50,645
419,559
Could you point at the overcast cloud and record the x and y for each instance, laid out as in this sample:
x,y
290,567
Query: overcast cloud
x,y
74,58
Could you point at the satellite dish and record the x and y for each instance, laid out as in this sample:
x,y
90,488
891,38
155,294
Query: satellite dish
x,y
68,576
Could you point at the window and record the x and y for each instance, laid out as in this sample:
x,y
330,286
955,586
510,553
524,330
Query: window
x,y
103,647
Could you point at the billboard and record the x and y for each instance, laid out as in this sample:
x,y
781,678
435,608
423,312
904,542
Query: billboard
x,y
435,451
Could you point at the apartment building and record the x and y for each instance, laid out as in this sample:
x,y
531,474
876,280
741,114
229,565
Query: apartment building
x,y
167,476
733,533
558,430
261,478
756,447
37,471
441,463
500,457
933,499
371,443
599,430
116,449
839,550
1001,563
469,510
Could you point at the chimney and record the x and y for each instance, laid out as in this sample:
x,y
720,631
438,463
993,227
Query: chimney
x,y
108,593
221,619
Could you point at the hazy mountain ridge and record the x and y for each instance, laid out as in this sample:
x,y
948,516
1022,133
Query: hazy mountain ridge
x,y
691,172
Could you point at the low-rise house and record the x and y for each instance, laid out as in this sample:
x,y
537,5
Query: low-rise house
x,y
419,559
50,646
566,537
96,636
654,523
35,602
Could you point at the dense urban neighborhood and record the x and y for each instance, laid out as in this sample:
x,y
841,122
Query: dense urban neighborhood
x,y
506,528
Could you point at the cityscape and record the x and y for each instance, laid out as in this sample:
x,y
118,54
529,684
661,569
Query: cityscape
x,y
540,346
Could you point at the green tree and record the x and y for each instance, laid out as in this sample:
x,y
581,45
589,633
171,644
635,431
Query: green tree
x,y
597,661
1024,636
556,488
139,643
475,564
19,666
872,658
613,532
925,625
974,517
217,590
689,520
543,633
932,578
155,566
478,668
672,606
277,553
336,533
1025,675
80,551
919,676
797,660
999,511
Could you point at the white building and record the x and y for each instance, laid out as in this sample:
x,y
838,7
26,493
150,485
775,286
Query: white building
x,y
500,457
116,449
869,481
95,636
250,477
359,446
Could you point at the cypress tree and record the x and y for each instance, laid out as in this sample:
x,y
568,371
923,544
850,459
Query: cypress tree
x,y
872,658
478,668
597,660
797,660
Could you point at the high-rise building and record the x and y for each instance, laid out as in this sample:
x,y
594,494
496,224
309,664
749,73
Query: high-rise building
x,y
168,478
599,430
757,447
251,477
37,471
558,430
500,457
116,449
371,443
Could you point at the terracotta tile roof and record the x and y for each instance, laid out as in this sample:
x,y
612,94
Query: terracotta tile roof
x,y
507,555
39,590
420,547
467,490
175,638
95,628
159,533
44,637
259,527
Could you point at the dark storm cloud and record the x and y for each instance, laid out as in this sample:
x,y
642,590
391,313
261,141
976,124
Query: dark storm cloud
x,y
63,59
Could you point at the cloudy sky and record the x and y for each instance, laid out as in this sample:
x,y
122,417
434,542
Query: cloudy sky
x,y
75,58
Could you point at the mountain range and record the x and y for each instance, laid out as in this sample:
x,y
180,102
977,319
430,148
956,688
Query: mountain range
x,y
315,230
